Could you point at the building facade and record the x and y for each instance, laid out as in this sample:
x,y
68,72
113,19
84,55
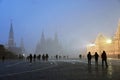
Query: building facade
x,y
111,46
48,45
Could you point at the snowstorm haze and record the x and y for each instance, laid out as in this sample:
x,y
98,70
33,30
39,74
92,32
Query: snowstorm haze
x,y
77,22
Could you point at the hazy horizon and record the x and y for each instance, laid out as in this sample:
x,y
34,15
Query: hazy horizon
x,y
77,22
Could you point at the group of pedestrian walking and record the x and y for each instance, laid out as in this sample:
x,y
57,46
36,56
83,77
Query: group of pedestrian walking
x,y
35,57
96,56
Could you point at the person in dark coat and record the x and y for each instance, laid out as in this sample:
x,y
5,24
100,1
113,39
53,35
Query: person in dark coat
x,y
104,59
30,56
96,58
39,57
43,57
80,56
47,57
34,57
56,56
89,58
3,58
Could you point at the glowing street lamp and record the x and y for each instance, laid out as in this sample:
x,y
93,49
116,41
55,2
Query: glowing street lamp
x,y
109,41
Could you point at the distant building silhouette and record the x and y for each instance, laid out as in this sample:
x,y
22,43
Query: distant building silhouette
x,y
6,53
11,42
50,46
11,46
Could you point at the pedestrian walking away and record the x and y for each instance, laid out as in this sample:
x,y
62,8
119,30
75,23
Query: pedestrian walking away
x,y
104,59
96,58
89,58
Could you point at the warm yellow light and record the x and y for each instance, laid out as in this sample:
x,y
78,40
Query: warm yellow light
x,y
109,41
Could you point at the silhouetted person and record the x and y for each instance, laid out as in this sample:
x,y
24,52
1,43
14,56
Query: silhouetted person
x,y
89,58
39,57
3,58
43,57
47,57
34,57
59,57
64,57
104,59
80,56
96,58
30,56
56,56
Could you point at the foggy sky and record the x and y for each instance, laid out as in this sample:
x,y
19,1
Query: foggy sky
x,y
77,22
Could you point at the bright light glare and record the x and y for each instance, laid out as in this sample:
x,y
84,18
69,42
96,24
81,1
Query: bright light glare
x,y
24,55
109,41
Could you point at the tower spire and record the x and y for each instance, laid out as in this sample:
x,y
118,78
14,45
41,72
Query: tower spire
x,y
11,36
117,35
42,43
42,37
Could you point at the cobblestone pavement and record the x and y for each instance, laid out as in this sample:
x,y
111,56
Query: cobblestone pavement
x,y
59,70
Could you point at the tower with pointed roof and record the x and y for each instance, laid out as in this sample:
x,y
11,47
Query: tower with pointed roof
x,y
116,40
100,42
117,34
11,46
56,43
42,41
11,42
41,45
48,45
